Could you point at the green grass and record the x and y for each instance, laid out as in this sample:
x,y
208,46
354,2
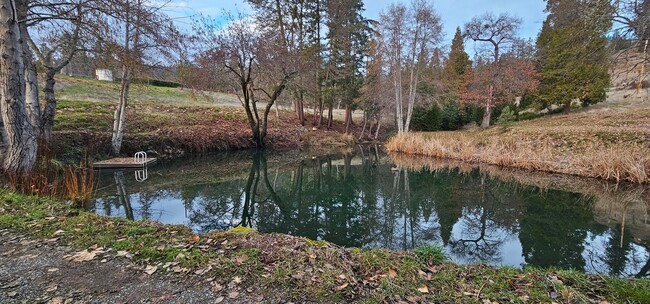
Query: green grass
x,y
71,88
430,254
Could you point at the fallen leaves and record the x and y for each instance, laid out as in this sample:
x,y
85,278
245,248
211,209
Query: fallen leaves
x,y
203,271
216,287
424,289
82,256
342,286
125,254
150,269
392,273
241,259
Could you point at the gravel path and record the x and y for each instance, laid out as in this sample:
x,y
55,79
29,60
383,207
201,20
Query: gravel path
x,y
34,271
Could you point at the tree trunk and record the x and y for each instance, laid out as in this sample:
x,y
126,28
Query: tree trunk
x,y
119,119
639,86
488,110
31,81
330,115
378,126
314,120
50,107
348,118
20,155
321,111
300,108
397,84
365,123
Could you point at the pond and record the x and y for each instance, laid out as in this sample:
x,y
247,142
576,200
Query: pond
x,y
368,199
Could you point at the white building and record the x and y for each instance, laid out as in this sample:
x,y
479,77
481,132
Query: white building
x,y
103,74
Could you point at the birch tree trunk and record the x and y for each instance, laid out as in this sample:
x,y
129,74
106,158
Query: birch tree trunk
x,y
20,155
397,82
119,119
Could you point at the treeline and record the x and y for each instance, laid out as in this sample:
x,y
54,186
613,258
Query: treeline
x,y
398,67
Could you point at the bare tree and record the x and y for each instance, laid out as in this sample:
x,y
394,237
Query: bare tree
x,y
137,33
410,36
59,26
632,21
20,155
499,32
257,63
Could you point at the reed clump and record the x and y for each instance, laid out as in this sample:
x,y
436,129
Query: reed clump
x,y
629,163
51,178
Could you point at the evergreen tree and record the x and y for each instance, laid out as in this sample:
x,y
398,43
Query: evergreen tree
x,y
348,38
572,54
456,65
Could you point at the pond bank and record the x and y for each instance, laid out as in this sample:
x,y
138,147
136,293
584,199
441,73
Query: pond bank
x,y
609,141
242,265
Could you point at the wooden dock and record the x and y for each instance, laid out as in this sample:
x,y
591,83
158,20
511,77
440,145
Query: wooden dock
x,y
123,162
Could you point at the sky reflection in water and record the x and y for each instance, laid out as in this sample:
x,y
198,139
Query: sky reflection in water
x,y
366,200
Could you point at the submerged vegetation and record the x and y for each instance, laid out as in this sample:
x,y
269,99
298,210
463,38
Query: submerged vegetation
x,y
301,268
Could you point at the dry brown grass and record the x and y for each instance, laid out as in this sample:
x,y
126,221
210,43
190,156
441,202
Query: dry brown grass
x,y
610,141
51,179
611,162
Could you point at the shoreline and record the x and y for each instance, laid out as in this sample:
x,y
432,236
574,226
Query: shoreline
x,y
618,164
297,268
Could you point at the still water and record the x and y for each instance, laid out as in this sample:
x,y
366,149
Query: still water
x,y
368,199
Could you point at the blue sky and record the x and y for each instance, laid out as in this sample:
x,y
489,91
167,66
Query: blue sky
x,y
453,12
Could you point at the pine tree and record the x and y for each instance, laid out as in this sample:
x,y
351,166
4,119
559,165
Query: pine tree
x,y
456,65
572,54
348,38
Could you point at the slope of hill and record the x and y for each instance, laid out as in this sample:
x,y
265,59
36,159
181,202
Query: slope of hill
x,y
166,122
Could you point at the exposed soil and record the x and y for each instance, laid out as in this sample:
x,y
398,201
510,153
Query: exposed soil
x,y
34,271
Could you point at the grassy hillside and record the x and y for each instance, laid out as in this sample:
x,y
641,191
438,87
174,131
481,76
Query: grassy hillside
x,y
165,121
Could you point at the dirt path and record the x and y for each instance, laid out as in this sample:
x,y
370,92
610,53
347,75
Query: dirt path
x,y
33,271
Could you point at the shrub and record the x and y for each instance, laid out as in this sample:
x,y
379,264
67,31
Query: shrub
x,y
426,119
473,113
450,116
430,254
527,116
157,82
506,118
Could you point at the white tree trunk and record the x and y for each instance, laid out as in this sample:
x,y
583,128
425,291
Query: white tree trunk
x,y
20,155
119,119
398,97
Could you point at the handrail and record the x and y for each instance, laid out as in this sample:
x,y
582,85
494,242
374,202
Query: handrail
x,y
140,157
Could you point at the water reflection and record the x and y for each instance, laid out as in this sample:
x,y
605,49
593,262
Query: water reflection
x,y
480,214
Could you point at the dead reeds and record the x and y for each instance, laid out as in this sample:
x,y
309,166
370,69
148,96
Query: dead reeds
x,y
618,163
50,178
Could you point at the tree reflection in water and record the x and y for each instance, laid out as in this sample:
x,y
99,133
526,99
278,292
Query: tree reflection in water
x,y
369,202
